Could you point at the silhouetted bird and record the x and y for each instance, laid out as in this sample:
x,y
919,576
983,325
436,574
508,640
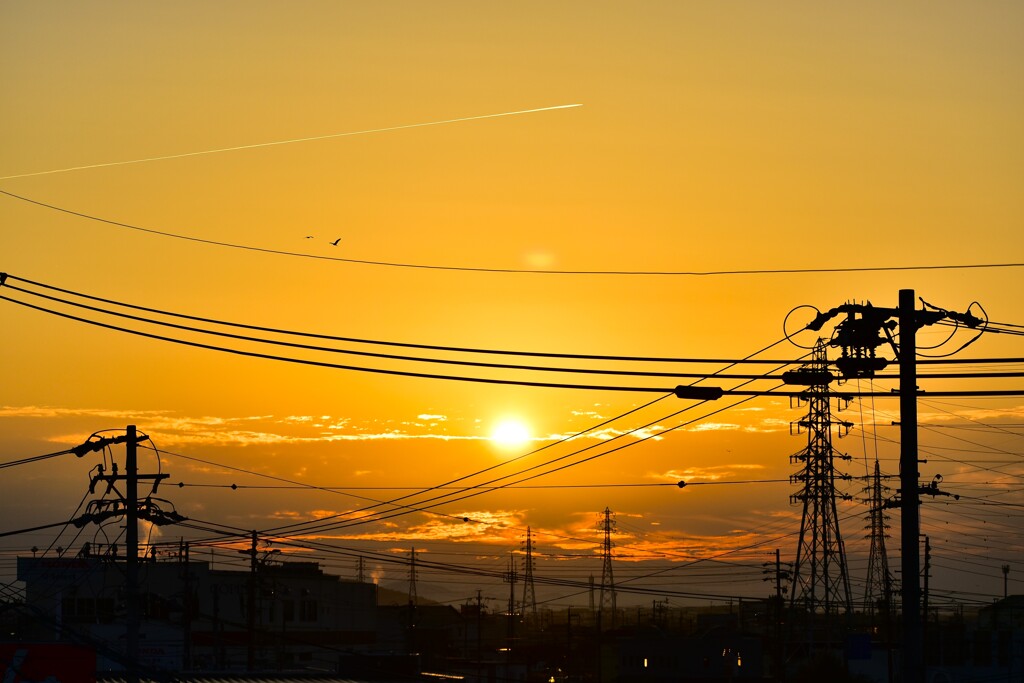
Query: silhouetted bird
x,y
309,237
335,242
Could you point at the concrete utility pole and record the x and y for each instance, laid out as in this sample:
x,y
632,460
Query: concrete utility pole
x,y
924,598
511,577
859,335
134,616
186,604
910,518
413,600
129,506
250,657
510,635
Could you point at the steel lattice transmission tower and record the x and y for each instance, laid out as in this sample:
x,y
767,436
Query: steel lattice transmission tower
x,y
821,583
878,593
529,594
607,525
412,577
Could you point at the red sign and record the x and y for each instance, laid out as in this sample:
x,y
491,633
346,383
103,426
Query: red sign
x,y
49,662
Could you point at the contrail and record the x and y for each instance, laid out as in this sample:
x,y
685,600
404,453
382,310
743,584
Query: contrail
x,y
289,142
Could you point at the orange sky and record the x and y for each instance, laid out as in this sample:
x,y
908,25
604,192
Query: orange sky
x,y
711,136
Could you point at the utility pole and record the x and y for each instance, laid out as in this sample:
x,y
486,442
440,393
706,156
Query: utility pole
x,y
411,642
186,605
127,505
859,335
360,571
132,562
512,576
250,657
924,600
479,631
778,646
778,576
1006,577
910,520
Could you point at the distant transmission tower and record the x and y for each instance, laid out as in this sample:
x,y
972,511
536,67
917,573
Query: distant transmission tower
x,y
361,571
412,577
529,595
878,593
607,580
511,576
821,584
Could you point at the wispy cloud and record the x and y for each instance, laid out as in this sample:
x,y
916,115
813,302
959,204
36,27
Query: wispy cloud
x,y
499,527
984,415
765,425
55,411
169,429
712,473
715,427
608,433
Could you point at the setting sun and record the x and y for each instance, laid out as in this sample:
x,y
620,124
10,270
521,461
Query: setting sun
x,y
510,433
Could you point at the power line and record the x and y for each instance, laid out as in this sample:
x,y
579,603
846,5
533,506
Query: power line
x,y
424,266
434,347
679,484
481,380
337,366
320,526
36,458
36,528
448,499
478,364
379,342
299,484
578,451
419,359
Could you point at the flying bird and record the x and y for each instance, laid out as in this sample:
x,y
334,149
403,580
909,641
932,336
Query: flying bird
x,y
335,242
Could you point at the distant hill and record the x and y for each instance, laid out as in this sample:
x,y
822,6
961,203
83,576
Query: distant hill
x,y
387,597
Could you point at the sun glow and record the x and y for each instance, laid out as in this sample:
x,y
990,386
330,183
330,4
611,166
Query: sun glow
x,y
510,433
